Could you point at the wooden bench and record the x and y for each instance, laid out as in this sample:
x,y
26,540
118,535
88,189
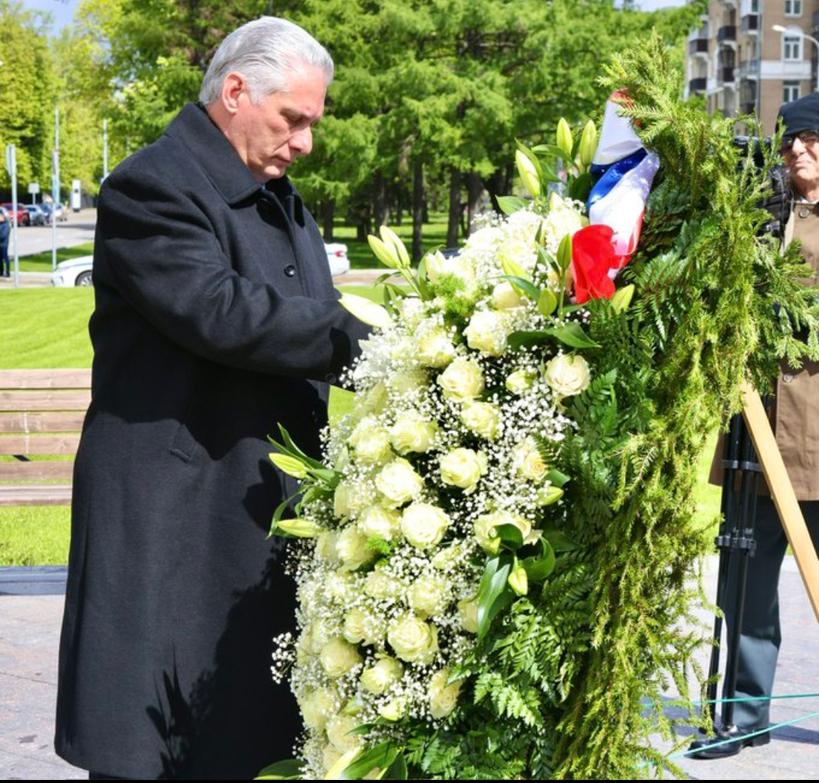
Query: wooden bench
x,y
41,415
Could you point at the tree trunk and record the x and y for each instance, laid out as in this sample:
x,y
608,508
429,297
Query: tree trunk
x,y
381,209
454,208
474,188
328,211
417,208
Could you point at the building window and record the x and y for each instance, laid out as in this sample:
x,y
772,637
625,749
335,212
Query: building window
x,y
792,47
790,91
793,7
754,6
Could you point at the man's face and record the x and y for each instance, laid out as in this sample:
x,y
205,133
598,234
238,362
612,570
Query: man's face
x,y
802,161
271,134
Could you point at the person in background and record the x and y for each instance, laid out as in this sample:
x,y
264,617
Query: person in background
x,y
796,424
215,320
5,232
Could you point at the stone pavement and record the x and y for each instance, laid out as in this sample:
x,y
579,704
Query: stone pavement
x,y
29,636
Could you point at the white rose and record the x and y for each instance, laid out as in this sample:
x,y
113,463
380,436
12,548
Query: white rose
x,y
462,380
338,732
424,525
520,381
379,522
428,596
408,381
435,264
330,756
458,266
338,657
350,498
382,675
463,468
401,348
326,547
443,697
362,627
373,401
413,640
528,462
567,374
382,586
398,482
468,612
505,296
482,418
413,433
317,707
446,559
435,348
394,709
316,636
371,442
352,549
562,219
487,333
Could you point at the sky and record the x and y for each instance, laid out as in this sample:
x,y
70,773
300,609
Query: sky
x,y
63,10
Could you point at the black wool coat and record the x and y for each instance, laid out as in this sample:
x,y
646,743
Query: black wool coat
x,y
215,319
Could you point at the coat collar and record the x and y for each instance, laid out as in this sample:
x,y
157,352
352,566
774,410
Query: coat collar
x,y
222,164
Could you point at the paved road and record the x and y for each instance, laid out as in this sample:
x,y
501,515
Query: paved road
x,y
29,634
77,230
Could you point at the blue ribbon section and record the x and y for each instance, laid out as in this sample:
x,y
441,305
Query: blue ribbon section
x,y
612,174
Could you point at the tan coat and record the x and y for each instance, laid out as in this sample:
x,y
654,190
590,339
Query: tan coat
x,y
796,411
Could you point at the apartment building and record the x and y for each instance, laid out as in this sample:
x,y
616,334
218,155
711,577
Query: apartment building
x,y
742,65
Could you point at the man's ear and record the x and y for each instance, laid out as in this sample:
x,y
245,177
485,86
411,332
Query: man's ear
x,y
234,87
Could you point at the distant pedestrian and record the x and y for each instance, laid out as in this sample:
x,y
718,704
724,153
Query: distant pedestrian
x,y
5,231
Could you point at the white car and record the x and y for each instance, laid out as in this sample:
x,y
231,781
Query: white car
x,y
77,271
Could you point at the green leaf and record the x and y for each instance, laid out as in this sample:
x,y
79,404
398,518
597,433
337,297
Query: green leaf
x,y
560,541
422,280
291,769
571,334
511,204
539,566
622,298
397,770
526,287
518,579
581,187
510,536
494,593
291,448
382,756
279,513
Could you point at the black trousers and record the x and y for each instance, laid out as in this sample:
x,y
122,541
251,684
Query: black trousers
x,y
761,637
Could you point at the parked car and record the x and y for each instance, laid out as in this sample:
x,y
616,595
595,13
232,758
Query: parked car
x,y
59,211
77,271
23,218
37,215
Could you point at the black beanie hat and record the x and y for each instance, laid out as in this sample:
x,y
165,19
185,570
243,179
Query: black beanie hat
x,y
801,115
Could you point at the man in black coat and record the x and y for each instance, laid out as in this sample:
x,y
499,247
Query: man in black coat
x,y
215,320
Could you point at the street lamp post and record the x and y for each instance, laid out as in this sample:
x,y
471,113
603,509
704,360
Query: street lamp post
x,y
778,28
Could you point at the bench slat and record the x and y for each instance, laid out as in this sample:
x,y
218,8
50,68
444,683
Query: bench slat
x,y
46,400
53,495
45,379
43,421
36,470
39,444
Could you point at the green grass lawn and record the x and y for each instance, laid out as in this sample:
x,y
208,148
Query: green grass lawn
x,y
41,262
48,327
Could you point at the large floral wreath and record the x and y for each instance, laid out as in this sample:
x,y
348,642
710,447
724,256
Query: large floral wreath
x,y
495,550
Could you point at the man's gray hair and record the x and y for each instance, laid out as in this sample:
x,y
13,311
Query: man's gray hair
x,y
267,52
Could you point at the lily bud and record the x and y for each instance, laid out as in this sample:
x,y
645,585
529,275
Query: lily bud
x,y
546,302
387,255
366,311
548,495
527,171
335,772
392,239
564,252
300,528
563,138
588,144
289,465
518,580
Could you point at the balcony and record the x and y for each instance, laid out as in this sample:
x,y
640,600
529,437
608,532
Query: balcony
x,y
749,69
698,46
698,85
727,32
750,24
725,74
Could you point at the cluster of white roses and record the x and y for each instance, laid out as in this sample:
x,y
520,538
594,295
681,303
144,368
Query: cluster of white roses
x,y
444,446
